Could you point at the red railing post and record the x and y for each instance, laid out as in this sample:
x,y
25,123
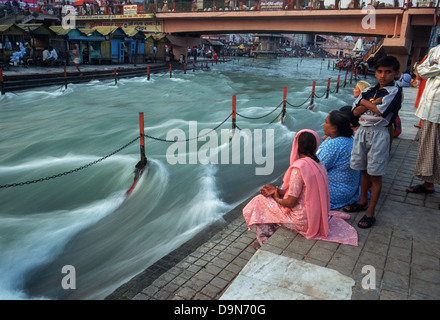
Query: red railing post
x,y
328,88
234,112
283,110
313,93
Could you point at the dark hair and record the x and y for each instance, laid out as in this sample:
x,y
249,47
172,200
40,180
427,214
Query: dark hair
x,y
342,122
307,145
388,61
353,119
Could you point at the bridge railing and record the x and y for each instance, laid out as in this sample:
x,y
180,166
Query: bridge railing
x,y
253,5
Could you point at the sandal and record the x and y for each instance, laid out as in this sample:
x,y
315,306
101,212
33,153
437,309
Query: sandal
x,y
366,222
356,207
256,245
419,189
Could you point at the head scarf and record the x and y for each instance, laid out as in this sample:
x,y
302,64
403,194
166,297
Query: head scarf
x,y
294,155
317,198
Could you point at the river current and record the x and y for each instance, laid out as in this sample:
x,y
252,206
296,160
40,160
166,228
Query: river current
x,y
84,219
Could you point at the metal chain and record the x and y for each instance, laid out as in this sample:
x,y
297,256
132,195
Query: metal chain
x,y
251,118
319,97
189,139
300,104
19,184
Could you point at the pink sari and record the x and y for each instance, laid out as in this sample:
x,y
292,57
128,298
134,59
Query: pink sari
x,y
321,223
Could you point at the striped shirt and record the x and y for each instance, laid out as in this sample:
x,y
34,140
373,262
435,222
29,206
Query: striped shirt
x,y
389,108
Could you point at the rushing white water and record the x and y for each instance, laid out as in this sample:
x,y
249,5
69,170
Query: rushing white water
x,y
84,219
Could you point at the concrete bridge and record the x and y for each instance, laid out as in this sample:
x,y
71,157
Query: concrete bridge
x,y
405,31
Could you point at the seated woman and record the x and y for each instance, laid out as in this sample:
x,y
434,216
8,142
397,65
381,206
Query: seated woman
x,y
335,152
303,205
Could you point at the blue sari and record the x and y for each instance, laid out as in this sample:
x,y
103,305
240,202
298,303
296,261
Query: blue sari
x,y
344,182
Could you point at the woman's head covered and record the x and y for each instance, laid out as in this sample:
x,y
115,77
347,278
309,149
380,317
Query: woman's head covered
x,y
306,145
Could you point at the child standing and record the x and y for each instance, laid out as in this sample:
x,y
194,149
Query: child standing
x,y
377,108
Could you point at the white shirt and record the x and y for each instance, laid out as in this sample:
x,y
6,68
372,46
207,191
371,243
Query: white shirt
x,y
45,54
429,106
53,54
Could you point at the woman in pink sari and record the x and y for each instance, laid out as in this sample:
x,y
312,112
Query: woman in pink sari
x,y
303,205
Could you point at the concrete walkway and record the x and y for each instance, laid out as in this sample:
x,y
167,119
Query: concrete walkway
x,y
396,259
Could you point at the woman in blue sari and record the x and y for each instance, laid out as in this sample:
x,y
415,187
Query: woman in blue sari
x,y
335,153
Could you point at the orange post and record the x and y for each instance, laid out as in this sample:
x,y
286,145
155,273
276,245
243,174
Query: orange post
x,y
140,166
313,93
234,112
65,77
194,66
116,76
345,81
328,88
283,110
171,73
142,138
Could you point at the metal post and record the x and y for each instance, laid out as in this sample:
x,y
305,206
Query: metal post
x,y
142,139
283,110
234,113
2,84
328,88
337,84
65,76
313,93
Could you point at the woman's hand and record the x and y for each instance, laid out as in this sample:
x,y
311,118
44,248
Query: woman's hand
x,y
267,190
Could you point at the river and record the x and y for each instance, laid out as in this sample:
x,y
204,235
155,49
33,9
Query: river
x,y
84,219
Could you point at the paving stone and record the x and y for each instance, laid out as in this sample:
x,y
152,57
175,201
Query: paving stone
x,y
186,293
405,259
392,280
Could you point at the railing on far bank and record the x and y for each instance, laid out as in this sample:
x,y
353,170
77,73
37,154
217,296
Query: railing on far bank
x,y
247,5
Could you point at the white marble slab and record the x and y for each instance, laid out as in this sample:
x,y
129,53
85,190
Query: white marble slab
x,y
268,276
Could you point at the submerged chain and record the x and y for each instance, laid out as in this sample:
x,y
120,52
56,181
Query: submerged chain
x,y
19,184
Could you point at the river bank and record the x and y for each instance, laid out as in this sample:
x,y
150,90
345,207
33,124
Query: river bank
x,y
220,262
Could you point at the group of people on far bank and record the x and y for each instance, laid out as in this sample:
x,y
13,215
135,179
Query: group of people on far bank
x,y
345,170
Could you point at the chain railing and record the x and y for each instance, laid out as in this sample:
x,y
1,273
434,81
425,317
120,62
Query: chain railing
x,y
19,184
142,135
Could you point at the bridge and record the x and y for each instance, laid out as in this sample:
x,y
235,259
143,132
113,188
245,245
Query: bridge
x,y
405,29
405,32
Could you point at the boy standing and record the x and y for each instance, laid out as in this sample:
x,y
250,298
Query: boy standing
x,y
377,108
